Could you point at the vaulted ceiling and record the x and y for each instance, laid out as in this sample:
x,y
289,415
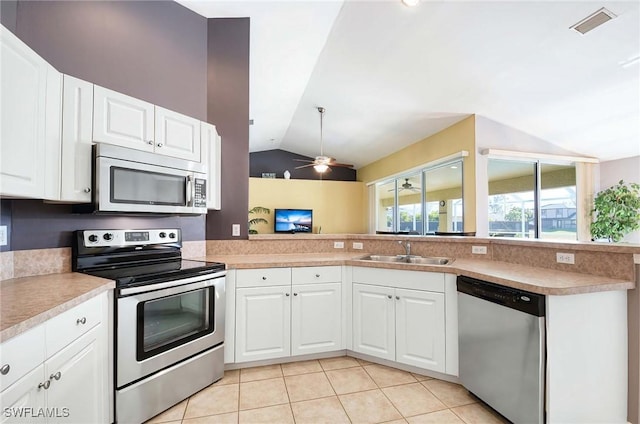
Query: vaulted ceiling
x,y
389,75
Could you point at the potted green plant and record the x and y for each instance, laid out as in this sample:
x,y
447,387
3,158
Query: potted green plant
x,y
257,210
616,211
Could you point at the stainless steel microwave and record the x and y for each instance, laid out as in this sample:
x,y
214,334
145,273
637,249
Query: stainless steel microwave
x,y
128,180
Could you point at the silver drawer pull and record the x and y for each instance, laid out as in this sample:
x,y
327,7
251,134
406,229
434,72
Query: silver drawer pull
x,y
397,297
82,321
5,369
287,294
87,190
389,296
55,376
150,142
44,385
159,144
317,275
264,278
295,294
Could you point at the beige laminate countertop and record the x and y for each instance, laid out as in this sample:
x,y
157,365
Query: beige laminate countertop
x,y
533,279
29,301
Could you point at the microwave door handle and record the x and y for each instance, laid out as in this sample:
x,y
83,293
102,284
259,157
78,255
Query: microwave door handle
x,y
189,191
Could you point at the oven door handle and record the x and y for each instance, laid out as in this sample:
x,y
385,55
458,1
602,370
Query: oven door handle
x,y
189,191
175,287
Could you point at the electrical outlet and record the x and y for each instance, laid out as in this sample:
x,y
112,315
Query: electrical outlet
x,y
235,230
338,245
357,246
565,258
479,250
3,235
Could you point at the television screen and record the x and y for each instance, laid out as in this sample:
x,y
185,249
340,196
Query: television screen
x,y
293,221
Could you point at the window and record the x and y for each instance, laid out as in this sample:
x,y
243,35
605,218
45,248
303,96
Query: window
x,y
530,199
422,202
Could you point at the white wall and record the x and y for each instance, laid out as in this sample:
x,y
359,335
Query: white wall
x,y
611,172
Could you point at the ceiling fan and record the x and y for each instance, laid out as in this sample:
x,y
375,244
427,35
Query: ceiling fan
x,y
406,186
322,163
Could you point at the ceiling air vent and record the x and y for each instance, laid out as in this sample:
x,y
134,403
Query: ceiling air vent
x,y
593,21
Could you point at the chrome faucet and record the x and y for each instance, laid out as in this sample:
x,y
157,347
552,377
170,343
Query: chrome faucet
x,y
407,246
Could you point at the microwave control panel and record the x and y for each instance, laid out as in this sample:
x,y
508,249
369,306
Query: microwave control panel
x,y
200,193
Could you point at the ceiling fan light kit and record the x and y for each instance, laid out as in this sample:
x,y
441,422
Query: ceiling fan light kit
x,y
322,163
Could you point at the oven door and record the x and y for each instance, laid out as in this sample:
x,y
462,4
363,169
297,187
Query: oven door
x,y
167,323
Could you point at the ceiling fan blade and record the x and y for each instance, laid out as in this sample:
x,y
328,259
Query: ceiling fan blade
x,y
304,166
304,160
344,165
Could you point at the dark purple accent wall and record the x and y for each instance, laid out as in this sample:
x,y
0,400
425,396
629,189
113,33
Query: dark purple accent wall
x,y
153,50
228,108
38,225
280,160
5,219
9,14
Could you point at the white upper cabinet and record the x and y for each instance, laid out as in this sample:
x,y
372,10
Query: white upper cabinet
x,y
177,135
212,154
122,120
77,126
29,121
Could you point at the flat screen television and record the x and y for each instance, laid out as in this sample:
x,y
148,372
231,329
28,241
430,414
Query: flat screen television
x,y
293,221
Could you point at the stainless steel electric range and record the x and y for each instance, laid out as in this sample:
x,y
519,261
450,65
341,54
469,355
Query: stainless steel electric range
x,y
168,317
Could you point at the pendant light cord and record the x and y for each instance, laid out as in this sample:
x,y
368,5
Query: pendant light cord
x,y
321,110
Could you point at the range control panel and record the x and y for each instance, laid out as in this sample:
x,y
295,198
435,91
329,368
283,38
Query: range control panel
x,y
108,238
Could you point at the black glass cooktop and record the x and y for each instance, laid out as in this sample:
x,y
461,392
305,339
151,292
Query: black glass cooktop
x,y
157,272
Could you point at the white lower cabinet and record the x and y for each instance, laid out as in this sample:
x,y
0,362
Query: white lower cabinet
x,y
276,321
374,321
71,385
263,323
316,318
401,324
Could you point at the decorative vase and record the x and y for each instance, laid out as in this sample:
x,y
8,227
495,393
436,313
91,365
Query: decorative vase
x,y
287,175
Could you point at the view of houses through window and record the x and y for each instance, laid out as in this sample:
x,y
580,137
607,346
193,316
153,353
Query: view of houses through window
x,y
514,210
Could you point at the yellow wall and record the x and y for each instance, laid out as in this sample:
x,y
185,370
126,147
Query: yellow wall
x,y
338,206
460,136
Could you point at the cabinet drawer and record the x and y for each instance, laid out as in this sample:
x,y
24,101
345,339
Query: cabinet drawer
x,y
416,280
20,355
69,325
263,277
316,274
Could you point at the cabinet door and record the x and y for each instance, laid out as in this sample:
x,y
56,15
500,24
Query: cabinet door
x,y
122,120
21,402
77,381
77,127
316,318
211,154
420,330
23,77
177,135
263,323
374,321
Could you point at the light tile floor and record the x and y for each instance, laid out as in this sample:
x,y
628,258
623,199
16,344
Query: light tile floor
x,y
332,391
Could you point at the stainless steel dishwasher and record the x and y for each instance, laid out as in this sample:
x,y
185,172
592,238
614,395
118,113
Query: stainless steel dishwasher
x,y
502,348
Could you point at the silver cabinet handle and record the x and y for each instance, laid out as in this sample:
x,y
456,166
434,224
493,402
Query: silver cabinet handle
x,y
44,385
287,294
317,275
295,294
82,321
55,376
5,369
159,144
150,142
397,297
264,278
389,296
87,190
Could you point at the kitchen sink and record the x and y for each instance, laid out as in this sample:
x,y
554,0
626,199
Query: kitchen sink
x,y
412,259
